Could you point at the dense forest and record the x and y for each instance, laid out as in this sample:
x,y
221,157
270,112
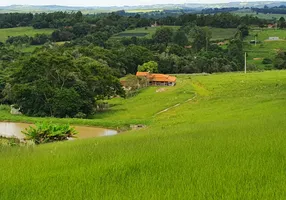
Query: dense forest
x,y
68,80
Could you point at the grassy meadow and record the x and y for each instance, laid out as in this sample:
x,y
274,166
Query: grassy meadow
x,y
222,33
224,139
141,32
264,49
30,31
217,33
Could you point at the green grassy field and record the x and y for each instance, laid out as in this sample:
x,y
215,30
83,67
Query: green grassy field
x,y
227,142
136,32
4,33
222,33
265,49
217,33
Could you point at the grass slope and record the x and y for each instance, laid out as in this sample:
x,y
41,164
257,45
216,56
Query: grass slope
x,y
30,31
227,143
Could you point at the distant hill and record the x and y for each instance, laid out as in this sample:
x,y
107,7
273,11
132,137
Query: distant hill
x,y
95,9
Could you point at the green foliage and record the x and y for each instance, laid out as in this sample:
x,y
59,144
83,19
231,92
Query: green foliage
x,y
46,133
201,38
12,142
163,35
282,23
267,61
133,56
150,66
280,61
180,38
244,29
52,83
4,107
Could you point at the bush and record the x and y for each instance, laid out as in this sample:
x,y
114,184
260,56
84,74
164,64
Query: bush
x,y
267,61
268,67
251,67
46,133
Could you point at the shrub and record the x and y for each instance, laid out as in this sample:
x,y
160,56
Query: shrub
x,y
267,61
80,115
46,133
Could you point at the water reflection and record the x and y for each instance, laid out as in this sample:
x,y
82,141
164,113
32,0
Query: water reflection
x,y
9,129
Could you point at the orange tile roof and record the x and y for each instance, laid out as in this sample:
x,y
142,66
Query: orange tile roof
x,y
142,74
162,78
157,77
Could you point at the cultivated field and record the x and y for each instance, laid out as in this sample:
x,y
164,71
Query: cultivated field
x,y
30,31
227,142
264,49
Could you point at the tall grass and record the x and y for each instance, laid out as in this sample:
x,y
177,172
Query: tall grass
x,y
228,143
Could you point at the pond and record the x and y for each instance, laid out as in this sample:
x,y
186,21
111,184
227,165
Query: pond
x,y
10,129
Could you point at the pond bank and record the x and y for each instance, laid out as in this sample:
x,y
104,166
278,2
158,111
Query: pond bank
x,y
11,129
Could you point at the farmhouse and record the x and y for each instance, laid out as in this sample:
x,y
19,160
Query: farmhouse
x,y
158,79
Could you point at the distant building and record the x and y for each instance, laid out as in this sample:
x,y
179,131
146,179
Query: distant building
x,y
273,38
271,25
158,79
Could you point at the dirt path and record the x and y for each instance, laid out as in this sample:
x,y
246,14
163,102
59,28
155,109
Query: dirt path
x,y
167,109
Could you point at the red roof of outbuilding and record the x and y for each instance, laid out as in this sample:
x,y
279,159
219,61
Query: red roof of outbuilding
x,y
157,77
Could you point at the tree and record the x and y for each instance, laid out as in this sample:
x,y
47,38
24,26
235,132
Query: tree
x,y
282,23
280,61
51,83
163,35
201,38
132,56
150,66
180,38
235,53
244,30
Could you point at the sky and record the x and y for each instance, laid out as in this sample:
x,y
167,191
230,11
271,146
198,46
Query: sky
x,y
107,2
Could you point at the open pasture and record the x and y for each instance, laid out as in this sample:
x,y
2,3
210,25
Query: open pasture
x,y
227,142
30,31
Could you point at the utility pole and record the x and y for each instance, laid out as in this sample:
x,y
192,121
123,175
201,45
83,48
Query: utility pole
x,y
245,63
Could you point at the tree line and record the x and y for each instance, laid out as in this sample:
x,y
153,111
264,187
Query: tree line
x,y
271,10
